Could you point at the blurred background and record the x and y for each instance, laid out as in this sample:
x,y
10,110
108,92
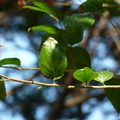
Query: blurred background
x,y
23,101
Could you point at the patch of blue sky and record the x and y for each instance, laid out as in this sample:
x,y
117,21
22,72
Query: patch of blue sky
x,y
48,96
108,63
96,114
101,59
86,108
17,21
7,114
41,112
101,50
13,49
27,58
102,111
77,3
21,39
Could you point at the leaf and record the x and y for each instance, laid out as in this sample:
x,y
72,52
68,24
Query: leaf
x,y
13,61
113,94
52,31
34,14
46,28
104,76
51,10
113,11
58,37
78,57
2,90
61,41
1,46
85,75
86,20
92,6
53,61
73,34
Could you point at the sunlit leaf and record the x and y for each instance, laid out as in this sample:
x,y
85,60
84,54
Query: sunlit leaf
x,y
43,7
53,61
104,76
113,94
85,75
92,6
46,28
57,37
86,20
12,61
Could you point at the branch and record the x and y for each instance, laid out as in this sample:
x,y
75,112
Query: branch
x,y
110,5
20,68
73,3
80,98
56,85
66,3
115,39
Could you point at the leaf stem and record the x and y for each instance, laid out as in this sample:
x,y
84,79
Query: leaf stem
x,y
57,85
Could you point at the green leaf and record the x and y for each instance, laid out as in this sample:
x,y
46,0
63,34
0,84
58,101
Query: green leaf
x,y
2,90
53,61
92,6
85,75
86,20
28,16
104,76
113,11
51,10
73,34
58,37
78,57
1,46
13,61
61,41
113,94
46,28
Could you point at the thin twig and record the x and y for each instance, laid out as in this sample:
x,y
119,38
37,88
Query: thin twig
x,y
73,3
116,40
66,3
57,85
20,68
110,5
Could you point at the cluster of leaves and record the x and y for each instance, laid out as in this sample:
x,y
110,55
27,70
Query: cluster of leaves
x,y
58,51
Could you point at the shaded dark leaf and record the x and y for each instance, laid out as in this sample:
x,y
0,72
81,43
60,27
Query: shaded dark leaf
x,y
92,6
78,57
73,34
113,94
